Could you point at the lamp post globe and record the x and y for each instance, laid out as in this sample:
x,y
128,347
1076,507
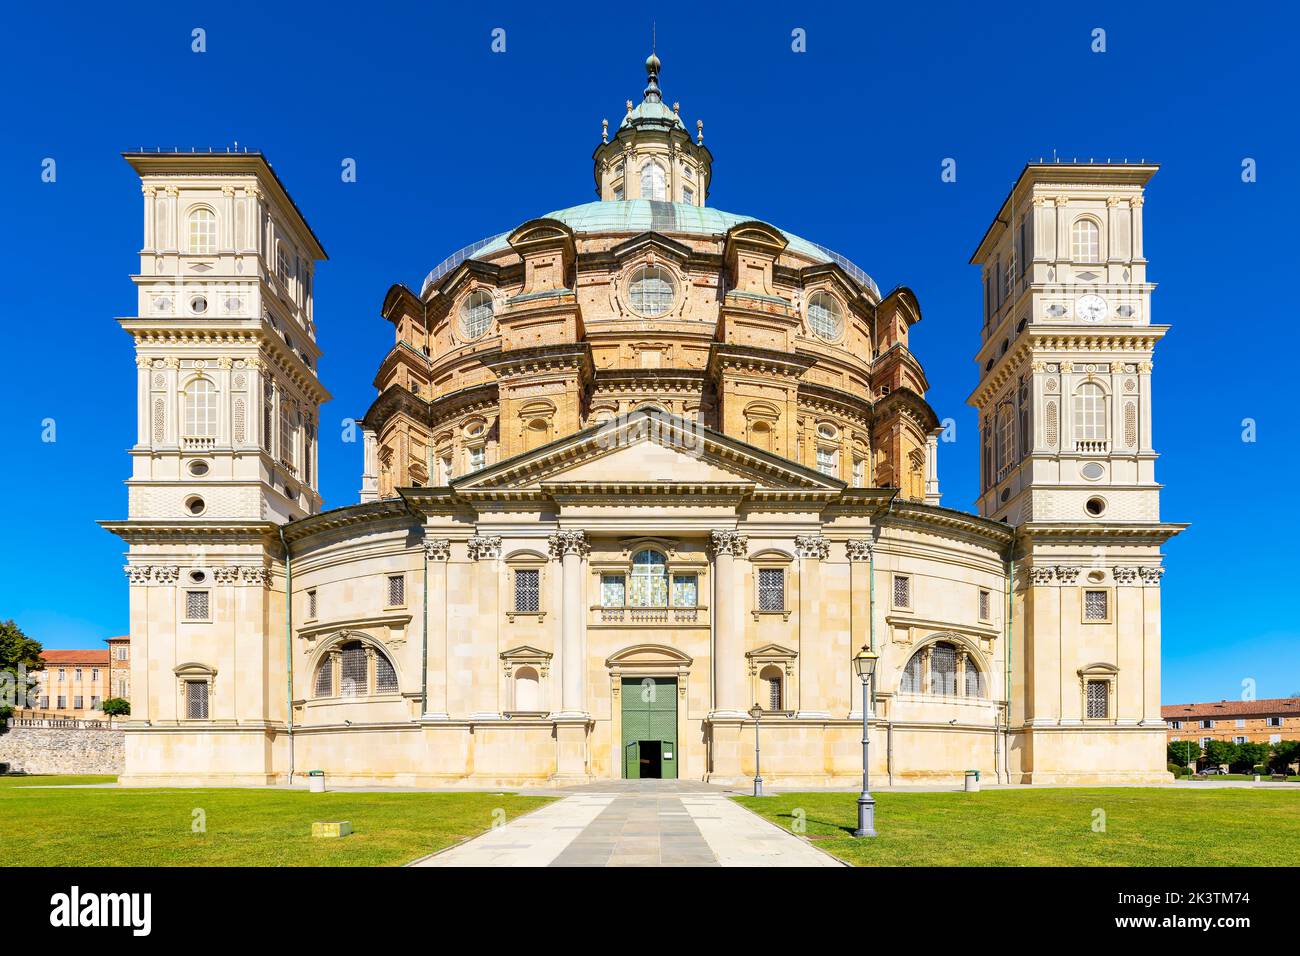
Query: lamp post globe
x,y
756,712
864,665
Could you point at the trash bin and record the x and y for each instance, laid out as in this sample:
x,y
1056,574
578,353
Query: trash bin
x,y
972,781
316,781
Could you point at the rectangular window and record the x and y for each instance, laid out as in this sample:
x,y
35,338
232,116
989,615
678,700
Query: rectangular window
x,y
62,703
1275,738
613,590
826,461
94,703
1094,606
196,605
686,590
77,702
1240,739
1098,699
902,591
1275,721
94,673
618,193
396,590
528,589
771,589
196,699
1176,724
76,674
477,458
268,412
62,674
1240,722
774,693
444,470
45,703
1207,724
1205,742
688,195
311,603
986,602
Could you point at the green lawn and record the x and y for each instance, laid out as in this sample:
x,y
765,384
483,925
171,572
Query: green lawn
x,y
1143,827
130,827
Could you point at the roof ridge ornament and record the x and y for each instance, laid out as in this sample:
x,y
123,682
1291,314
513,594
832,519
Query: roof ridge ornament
x,y
651,92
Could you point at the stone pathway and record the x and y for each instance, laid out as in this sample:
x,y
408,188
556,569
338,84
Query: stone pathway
x,y
686,826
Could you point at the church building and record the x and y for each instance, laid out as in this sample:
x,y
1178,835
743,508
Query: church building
x,y
636,468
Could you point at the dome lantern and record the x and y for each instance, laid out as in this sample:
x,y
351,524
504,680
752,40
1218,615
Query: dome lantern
x,y
651,155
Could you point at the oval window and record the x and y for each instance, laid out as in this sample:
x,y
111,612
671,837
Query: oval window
x,y
476,314
825,317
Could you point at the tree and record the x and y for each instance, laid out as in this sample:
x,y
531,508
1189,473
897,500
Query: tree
x,y
116,707
1219,752
1183,752
1249,756
19,657
1285,753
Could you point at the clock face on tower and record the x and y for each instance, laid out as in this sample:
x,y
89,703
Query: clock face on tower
x,y
1090,308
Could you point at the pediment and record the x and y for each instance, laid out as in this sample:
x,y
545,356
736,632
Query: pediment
x,y
650,451
772,652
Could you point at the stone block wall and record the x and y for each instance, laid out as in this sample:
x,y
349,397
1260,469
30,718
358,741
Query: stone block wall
x,y
63,750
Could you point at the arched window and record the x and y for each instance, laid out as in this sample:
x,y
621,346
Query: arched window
x,y
1006,439
649,584
952,673
528,690
912,673
1085,241
760,435
203,232
651,291
654,183
200,409
354,678
324,686
476,314
1090,413
943,669
825,317
774,698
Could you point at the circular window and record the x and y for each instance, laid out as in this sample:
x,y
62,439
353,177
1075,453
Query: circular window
x,y
476,314
474,429
826,430
651,291
198,468
1092,470
825,316
199,304
1095,507
198,577
195,505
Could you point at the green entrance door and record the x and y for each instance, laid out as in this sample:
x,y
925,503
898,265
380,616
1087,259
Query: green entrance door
x,y
649,728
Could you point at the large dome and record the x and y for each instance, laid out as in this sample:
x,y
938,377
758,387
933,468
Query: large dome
x,y
635,216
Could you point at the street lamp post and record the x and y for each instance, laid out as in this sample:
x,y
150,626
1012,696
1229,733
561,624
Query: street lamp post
x,y
756,712
865,666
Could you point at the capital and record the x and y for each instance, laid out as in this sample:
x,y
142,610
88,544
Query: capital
x,y
437,549
812,546
568,542
728,542
859,549
485,546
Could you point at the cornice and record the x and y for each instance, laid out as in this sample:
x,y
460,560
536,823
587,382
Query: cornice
x,y
138,531
346,517
910,405
748,358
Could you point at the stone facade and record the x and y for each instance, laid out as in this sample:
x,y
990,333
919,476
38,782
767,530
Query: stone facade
x,y
34,750
634,448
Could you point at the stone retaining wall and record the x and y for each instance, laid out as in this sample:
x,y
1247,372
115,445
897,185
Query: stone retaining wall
x,y
62,750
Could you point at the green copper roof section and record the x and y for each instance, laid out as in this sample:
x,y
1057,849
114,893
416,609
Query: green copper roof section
x,y
635,216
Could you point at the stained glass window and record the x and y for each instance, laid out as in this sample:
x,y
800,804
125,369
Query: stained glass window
x,y
686,591
613,590
649,585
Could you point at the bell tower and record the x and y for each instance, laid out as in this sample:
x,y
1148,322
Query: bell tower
x,y
227,393
1064,395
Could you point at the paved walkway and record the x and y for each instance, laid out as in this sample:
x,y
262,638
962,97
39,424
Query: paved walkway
x,y
638,826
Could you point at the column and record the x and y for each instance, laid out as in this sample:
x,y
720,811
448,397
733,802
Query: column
x,y
729,685
434,681
570,547
861,608
816,642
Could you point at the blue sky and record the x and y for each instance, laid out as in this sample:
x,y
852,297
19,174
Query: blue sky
x,y
841,144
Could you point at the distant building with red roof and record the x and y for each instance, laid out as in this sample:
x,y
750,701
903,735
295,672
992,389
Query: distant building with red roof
x,y
1264,721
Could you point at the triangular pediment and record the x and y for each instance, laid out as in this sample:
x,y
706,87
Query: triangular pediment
x,y
651,450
